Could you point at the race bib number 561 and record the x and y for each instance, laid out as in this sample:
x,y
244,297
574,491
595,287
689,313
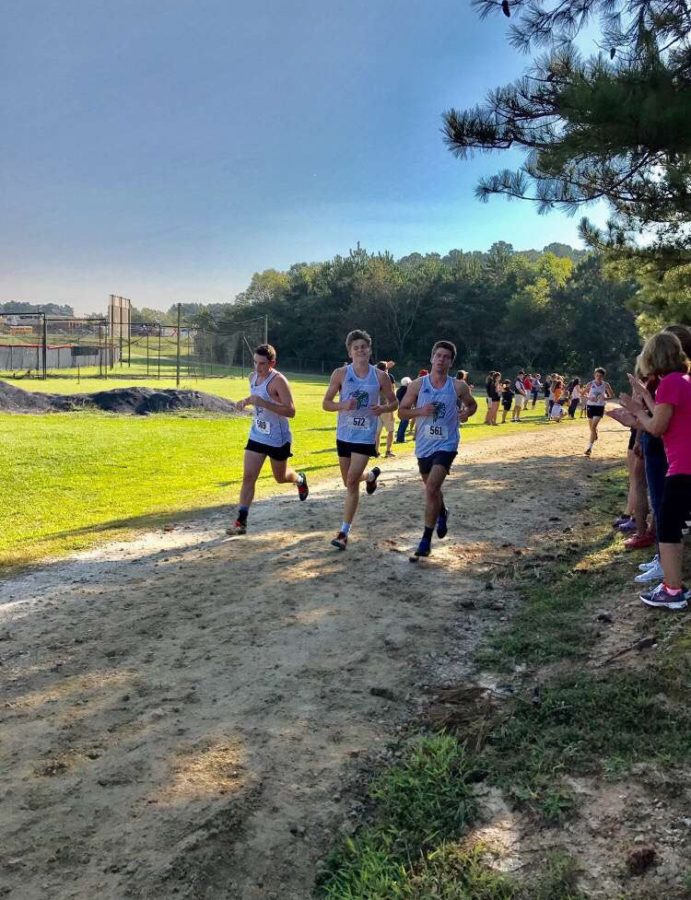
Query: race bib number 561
x,y
437,431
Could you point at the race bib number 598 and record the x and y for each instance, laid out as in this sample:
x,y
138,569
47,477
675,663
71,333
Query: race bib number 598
x,y
262,426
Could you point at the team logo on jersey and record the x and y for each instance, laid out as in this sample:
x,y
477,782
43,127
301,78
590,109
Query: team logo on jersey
x,y
362,398
439,410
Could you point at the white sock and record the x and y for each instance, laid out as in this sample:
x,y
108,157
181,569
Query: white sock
x,y
345,528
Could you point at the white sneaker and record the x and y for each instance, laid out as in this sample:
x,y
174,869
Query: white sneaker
x,y
654,573
655,561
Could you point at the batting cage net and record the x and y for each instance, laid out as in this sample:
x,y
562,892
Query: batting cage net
x,y
41,346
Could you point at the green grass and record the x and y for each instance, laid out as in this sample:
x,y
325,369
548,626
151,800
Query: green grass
x,y
70,479
578,723
414,848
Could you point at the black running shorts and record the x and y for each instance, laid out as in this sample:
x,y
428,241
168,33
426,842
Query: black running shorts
x,y
595,412
346,448
441,458
278,453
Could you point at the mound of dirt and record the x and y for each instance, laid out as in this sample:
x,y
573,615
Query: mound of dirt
x,y
131,400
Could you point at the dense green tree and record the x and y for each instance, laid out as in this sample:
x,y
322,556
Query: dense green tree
x,y
613,126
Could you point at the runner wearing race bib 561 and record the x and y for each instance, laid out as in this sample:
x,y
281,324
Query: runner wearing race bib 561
x,y
439,404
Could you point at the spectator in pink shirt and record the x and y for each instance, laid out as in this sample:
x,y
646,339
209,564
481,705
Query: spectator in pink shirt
x,y
667,416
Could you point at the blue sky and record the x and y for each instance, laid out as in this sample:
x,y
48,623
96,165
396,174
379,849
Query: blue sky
x,y
165,151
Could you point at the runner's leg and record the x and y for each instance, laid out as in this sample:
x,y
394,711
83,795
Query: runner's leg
x,y
282,474
252,466
433,494
354,475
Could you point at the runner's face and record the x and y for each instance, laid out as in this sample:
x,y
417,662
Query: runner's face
x,y
359,351
262,366
442,359
598,377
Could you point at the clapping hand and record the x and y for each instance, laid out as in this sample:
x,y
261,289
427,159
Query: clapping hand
x,y
623,416
641,391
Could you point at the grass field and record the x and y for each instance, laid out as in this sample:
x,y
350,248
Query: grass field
x,y
71,479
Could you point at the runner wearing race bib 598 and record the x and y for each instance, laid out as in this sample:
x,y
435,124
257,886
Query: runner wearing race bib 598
x,y
270,436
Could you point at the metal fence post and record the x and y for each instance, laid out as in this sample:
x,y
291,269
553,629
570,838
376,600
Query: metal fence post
x,y
45,347
177,360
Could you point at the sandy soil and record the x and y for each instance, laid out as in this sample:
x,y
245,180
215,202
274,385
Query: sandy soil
x,y
182,713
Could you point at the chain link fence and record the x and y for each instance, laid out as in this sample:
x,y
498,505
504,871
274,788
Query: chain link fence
x,y
43,346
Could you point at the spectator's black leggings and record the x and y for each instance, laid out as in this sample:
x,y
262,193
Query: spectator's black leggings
x,y
675,511
573,406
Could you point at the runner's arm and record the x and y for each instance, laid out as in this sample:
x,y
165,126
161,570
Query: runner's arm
x,y
335,384
387,390
284,397
407,408
469,402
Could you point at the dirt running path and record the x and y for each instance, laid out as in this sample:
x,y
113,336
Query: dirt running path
x,y
181,713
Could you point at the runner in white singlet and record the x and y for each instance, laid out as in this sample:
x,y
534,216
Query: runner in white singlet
x,y
358,385
270,436
439,404
598,392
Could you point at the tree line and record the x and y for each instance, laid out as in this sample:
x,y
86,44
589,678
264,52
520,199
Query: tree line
x,y
549,310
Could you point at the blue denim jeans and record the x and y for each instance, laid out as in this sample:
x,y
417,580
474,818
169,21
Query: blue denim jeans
x,y
655,471
400,432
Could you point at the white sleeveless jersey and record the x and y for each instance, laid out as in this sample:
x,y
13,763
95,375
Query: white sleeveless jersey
x,y
358,426
440,430
267,427
597,394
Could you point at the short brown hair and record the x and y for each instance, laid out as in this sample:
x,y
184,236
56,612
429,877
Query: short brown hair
x,y
357,335
266,350
445,345
601,371
662,354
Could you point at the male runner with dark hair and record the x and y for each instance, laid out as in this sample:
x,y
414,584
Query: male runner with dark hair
x,y
270,436
438,403
359,385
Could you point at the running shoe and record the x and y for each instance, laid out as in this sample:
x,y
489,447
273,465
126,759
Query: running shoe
x,y
424,548
390,454
588,451
625,517
627,527
443,524
340,541
303,488
662,598
653,562
639,541
371,483
237,527
653,573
